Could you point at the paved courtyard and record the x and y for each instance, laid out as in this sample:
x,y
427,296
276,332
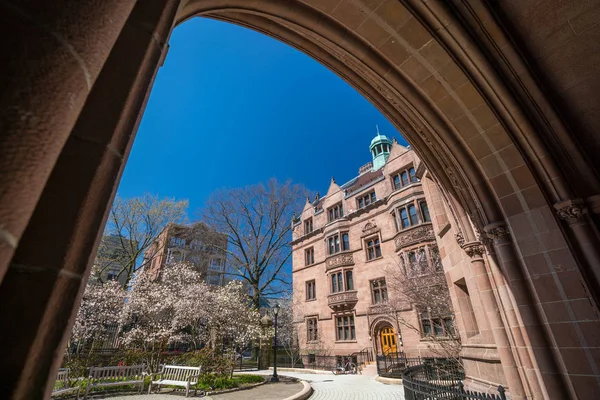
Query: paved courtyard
x,y
326,387
347,387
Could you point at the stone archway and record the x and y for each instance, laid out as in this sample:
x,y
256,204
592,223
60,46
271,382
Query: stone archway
x,y
461,80
375,331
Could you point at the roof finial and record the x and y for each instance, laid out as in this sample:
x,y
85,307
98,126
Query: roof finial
x,y
377,127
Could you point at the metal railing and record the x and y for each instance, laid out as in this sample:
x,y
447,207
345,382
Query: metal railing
x,y
429,381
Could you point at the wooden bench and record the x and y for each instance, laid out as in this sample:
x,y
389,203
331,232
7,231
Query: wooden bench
x,y
116,376
65,384
176,375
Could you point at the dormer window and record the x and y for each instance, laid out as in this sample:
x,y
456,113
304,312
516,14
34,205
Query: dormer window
x,y
335,212
366,200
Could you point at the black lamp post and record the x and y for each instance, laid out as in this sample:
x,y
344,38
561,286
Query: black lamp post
x,y
275,378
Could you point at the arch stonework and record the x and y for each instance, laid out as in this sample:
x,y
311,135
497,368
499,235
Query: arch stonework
x,y
491,95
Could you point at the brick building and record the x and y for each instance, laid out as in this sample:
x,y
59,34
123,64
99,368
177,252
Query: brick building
x,y
197,244
349,248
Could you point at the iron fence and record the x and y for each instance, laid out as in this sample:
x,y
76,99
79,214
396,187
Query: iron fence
x,y
430,381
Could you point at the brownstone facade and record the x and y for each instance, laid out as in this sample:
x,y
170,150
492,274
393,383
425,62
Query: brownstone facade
x,y
197,244
500,100
350,246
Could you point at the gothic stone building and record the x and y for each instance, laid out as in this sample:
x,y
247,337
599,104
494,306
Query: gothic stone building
x,y
349,248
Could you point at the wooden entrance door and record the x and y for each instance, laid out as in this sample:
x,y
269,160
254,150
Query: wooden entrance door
x,y
388,340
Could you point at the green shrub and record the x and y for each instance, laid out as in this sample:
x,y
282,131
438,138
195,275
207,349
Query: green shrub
x,y
209,382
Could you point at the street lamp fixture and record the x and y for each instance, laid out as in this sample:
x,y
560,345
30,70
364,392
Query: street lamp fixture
x,y
275,378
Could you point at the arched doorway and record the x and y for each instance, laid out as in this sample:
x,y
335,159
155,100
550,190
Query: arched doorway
x,y
462,82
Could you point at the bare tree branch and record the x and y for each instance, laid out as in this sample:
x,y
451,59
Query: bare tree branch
x,y
257,220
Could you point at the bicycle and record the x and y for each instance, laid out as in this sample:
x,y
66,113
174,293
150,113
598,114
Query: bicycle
x,y
348,367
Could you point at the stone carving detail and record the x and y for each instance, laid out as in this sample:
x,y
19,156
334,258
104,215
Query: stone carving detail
x,y
344,299
339,260
460,239
474,250
481,237
571,211
498,232
420,234
452,177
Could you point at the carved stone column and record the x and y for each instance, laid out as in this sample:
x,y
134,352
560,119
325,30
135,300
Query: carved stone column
x,y
514,378
522,317
574,214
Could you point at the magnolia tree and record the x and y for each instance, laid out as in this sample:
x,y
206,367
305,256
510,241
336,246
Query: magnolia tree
x,y
100,309
181,308
159,312
232,317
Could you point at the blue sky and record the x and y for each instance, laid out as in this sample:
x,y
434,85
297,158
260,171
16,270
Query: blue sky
x,y
232,107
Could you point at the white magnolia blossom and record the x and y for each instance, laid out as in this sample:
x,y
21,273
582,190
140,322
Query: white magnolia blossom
x,y
232,316
180,307
100,307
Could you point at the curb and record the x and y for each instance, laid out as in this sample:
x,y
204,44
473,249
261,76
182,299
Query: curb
x,y
215,392
302,370
304,394
388,381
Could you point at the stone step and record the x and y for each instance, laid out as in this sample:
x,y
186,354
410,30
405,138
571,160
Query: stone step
x,y
369,370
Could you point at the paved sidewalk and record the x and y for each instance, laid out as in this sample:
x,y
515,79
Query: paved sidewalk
x,y
345,387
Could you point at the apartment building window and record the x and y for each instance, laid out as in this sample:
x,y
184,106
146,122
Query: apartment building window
x,y
404,178
334,245
397,183
337,282
409,216
404,218
345,327
417,262
312,333
216,264
336,212
379,291
373,248
308,226
177,242
309,256
341,281
413,175
311,292
425,212
366,200
436,326
412,211
349,281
